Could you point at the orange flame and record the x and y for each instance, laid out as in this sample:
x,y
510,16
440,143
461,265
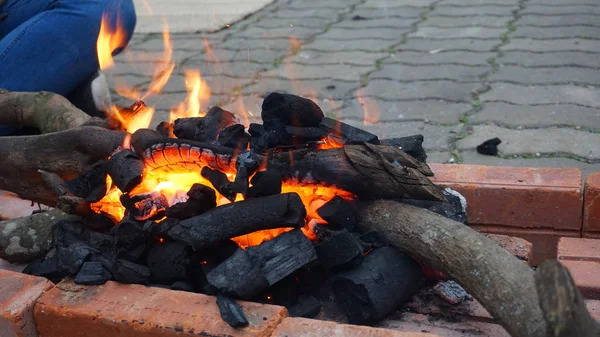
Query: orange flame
x,y
198,95
370,109
108,41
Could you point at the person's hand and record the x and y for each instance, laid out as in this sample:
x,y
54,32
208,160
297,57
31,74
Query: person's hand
x,y
3,15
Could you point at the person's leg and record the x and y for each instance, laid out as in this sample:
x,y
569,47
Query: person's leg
x,y
55,50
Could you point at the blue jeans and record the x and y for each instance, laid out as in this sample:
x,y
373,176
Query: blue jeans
x,y
50,45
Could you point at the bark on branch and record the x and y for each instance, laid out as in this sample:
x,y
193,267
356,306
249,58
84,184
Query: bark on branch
x,y
499,281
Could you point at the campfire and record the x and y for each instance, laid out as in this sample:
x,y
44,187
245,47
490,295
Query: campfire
x,y
298,210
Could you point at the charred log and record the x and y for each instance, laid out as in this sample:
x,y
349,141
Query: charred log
x,y
204,129
126,170
346,134
238,276
283,255
239,218
412,145
231,312
371,291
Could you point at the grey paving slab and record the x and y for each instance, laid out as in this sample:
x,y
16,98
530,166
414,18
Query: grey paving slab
x,y
393,22
436,137
428,45
310,22
561,10
554,75
480,2
458,33
558,20
443,90
562,2
157,44
557,32
400,12
459,21
262,56
252,104
326,13
438,157
368,45
550,94
443,10
453,72
324,88
360,58
230,69
385,4
553,45
436,111
319,4
472,157
279,32
394,34
219,85
544,141
235,43
444,57
341,72
550,59
529,116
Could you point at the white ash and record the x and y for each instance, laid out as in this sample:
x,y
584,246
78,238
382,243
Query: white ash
x,y
463,201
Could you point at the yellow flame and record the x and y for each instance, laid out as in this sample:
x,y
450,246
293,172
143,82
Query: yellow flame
x,y
108,41
198,95
370,109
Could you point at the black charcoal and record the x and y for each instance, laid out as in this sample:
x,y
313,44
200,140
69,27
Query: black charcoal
x,y
339,214
347,134
339,250
489,147
92,273
130,273
204,129
169,262
126,169
265,183
290,110
238,276
91,184
308,308
231,312
411,145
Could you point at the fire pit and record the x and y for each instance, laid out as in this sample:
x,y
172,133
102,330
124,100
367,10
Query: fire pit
x,y
265,214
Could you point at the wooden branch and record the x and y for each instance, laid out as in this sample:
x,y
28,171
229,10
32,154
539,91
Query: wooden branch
x,y
562,304
46,111
25,239
499,281
67,153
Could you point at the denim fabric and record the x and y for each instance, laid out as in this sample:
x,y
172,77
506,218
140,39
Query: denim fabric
x,y
50,45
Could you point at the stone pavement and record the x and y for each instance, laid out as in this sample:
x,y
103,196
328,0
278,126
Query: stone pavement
x,y
457,71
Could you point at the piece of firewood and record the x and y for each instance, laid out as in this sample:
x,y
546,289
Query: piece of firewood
x,y
499,281
562,304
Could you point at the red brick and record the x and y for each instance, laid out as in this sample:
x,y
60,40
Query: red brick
x,y
591,207
531,198
449,326
304,327
578,249
18,293
586,275
114,309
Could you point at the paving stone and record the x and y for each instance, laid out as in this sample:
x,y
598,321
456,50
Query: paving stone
x,y
444,57
481,2
127,81
550,59
436,137
552,45
458,33
218,84
169,101
561,10
400,12
252,104
555,75
393,22
231,69
320,4
385,4
537,115
251,44
311,57
557,32
551,94
474,10
157,44
438,157
436,111
393,34
472,157
323,88
562,3
444,90
435,72
341,72
279,32
558,20
449,45
311,22
263,56
368,45
458,21
326,13
543,141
